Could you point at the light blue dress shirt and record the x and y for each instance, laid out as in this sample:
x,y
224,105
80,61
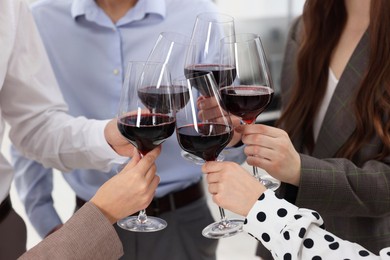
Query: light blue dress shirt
x,y
89,54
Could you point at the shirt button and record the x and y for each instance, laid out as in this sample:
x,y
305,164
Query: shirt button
x,y
116,71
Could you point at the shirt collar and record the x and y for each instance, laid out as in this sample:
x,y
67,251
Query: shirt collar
x,y
83,7
155,6
90,9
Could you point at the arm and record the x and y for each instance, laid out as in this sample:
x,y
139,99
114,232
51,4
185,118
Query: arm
x,y
283,228
34,185
39,124
89,233
364,187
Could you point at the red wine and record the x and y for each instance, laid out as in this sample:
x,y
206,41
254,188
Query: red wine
x,y
206,143
224,75
158,100
246,102
151,131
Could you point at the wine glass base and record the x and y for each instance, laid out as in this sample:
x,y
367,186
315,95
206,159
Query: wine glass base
x,y
271,185
132,223
222,229
197,160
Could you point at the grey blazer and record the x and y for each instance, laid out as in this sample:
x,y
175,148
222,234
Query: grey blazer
x,y
87,235
353,197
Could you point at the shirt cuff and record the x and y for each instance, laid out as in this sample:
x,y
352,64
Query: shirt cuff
x,y
268,216
102,148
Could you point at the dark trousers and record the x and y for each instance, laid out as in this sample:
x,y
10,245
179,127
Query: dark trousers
x,y
13,236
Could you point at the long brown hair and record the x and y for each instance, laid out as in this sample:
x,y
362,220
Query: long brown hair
x,y
324,22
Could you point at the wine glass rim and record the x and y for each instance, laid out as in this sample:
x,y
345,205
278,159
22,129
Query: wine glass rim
x,y
241,37
176,37
222,17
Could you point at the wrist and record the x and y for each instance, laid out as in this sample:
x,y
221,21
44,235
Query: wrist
x,y
257,193
296,171
104,211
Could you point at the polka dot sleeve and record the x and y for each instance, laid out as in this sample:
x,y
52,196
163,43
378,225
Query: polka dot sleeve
x,y
290,232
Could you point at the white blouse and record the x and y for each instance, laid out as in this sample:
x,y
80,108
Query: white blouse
x,y
290,232
332,83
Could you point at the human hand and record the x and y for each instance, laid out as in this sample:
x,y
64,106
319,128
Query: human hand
x,y
271,149
232,187
116,140
130,190
207,105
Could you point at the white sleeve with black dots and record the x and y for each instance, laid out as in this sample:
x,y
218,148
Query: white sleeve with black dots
x,y
293,233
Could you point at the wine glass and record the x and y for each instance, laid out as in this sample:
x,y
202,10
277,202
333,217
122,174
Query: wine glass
x,y
203,52
205,133
146,118
252,90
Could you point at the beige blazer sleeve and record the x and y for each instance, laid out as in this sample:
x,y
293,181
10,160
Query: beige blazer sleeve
x,y
87,235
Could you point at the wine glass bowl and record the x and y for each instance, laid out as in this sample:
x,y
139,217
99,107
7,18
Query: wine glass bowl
x,y
205,140
204,129
170,49
147,130
246,102
203,53
146,118
155,98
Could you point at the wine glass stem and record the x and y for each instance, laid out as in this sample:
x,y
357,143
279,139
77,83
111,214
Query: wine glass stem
x,y
222,212
142,218
255,170
224,223
256,173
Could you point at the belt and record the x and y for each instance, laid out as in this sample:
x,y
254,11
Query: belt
x,y
5,208
169,202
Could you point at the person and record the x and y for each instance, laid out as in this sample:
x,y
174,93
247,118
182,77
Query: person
x,y
89,233
89,43
32,106
287,231
332,147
